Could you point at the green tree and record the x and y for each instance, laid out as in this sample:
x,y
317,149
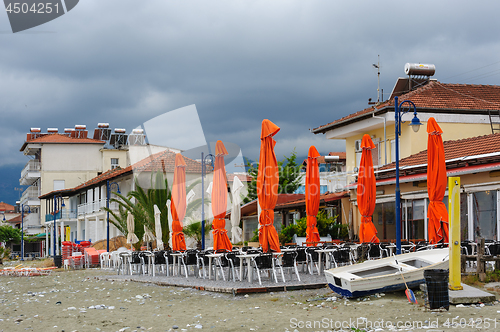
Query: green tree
x,y
10,234
194,230
326,226
289,176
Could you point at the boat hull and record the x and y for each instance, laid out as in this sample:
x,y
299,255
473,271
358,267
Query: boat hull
x,y
383,275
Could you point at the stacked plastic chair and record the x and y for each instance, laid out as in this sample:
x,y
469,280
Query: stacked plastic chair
x,y
67,249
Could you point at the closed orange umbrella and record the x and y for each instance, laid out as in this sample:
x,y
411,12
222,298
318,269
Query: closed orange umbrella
x,y
178,206
366,195
267,187
219,200
312,195
436,184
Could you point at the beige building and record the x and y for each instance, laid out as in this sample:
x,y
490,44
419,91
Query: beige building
x,y
466,113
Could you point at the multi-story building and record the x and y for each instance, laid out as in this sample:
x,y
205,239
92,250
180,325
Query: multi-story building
x,y
65,160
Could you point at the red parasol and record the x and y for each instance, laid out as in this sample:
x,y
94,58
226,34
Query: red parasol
x,y
312,195
178,206
219,200
267,187
436,184
366,192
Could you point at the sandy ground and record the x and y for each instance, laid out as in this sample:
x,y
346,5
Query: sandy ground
x,y
83,300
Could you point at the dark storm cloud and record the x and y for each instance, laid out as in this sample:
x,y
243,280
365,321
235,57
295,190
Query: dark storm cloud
x,y
301,64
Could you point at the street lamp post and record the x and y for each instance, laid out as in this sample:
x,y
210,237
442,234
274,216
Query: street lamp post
x,y
203,171
22,228
415,124
108,191
56,199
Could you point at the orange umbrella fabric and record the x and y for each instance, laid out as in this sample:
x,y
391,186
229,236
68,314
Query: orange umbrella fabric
x,y
178,206
367,192
267,187
312,195
436,184
219,200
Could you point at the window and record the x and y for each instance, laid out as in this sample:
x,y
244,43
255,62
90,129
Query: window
x,y
393,150
484,211
114,163
59,184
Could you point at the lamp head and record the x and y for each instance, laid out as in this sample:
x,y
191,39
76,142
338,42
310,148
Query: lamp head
x,y
62,205
415,123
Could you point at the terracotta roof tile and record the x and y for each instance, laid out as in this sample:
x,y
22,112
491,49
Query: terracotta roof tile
x,y
327,197
437,95
58,138
166,161
455,149
6,207
242,177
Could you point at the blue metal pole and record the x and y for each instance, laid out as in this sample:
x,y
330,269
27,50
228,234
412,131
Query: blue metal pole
x,y
107,207
22,232
55,232
397,191
202,202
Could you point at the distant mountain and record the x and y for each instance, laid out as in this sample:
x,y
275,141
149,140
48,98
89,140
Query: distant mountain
x,y
9,179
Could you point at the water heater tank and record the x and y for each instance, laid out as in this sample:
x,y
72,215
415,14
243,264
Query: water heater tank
x,y
418,69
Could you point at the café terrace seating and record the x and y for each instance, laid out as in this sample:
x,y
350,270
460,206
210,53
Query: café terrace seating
x,y
241,263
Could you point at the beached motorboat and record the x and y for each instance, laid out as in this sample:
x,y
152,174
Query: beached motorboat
x,y
383,275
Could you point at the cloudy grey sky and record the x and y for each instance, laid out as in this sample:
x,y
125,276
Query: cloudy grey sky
x,y
299,63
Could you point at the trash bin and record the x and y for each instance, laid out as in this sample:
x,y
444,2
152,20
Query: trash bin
x,y
58,260
437,289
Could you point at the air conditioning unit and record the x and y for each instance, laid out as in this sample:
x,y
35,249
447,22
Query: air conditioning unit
x,y
357,146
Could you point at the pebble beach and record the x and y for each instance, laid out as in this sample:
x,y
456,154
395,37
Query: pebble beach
x,y
98,300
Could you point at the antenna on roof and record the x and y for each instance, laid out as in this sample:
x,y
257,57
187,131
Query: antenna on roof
x,y
378,75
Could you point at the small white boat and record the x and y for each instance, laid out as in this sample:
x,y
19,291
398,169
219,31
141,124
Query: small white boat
x,y
383,275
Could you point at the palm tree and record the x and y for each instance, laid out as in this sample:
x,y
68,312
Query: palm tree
x,y
143,207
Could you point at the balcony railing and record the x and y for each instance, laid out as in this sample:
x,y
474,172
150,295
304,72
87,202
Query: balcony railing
x,y
30,194
32,166
92,207
65,214
339,181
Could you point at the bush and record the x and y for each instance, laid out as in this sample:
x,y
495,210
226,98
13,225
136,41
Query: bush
x,y
326,226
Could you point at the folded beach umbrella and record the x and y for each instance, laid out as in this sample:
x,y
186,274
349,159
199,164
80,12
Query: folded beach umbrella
x,y
178,206
236,231
267,187
148,235
436,184
131,237
312,195
158,232
366,192
219,200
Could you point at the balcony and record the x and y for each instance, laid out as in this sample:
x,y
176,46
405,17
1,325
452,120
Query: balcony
x,y
96,206
65,214
30,173
339,181
30,196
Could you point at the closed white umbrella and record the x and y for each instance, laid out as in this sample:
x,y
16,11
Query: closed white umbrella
x,y
131,237
190,196
236,231
169,202
159,242
148,235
